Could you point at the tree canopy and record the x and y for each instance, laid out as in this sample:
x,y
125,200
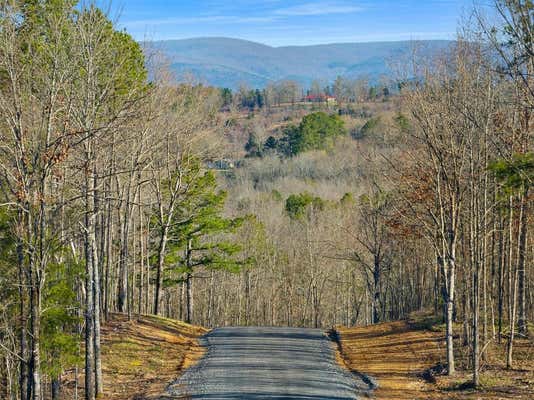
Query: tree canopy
x,y
317,131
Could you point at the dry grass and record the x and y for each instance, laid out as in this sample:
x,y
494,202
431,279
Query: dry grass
x,y
400,354
497,382
394,354
141,357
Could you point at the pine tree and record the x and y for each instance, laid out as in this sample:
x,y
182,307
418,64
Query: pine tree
x,y
197,237
253,146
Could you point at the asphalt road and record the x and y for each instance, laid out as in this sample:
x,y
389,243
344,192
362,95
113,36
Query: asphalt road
x,y
268,363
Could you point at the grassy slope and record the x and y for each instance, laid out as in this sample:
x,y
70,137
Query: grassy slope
x,y
141,357
399,354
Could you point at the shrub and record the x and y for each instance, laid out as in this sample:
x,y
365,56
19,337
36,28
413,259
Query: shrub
x,y
317,131
297,205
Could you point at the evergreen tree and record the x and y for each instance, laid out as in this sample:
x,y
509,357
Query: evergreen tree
x,y
298,206
260,101
226,97
253,146
317,131
271,144
197,237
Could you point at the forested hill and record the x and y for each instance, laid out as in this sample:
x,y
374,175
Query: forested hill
x,y
227,62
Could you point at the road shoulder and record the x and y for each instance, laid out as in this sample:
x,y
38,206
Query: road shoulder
x,y
407,360
142,356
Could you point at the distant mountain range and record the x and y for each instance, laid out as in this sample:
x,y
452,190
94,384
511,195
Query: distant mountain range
x,y
230,63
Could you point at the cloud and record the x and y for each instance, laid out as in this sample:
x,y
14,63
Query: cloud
x,y
226,19
270,16
320,8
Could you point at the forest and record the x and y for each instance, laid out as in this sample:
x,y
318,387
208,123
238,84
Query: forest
x,y
123,190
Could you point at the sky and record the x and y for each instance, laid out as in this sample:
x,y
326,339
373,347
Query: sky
x,y
292,22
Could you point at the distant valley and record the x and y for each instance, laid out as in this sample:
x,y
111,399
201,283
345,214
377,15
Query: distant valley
x,y
230,63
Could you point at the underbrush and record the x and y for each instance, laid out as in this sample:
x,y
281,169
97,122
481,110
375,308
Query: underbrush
x,y
408,359
141,357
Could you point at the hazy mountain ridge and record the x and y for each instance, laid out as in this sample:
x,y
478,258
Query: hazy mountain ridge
x,y
231,62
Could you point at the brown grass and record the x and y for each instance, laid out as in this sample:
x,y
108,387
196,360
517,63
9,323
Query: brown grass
x,y
399,355
393,354
141,357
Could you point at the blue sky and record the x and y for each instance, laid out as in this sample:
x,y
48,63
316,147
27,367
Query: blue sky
x,y
292,22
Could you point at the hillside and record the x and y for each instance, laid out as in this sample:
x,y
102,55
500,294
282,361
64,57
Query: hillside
x,y
230,62
141,357
406,358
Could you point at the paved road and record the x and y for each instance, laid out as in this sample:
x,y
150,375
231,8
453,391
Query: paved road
x,y
268,363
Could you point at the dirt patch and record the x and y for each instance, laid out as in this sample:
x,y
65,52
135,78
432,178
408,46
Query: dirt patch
x,y
407,360
392,353
141,357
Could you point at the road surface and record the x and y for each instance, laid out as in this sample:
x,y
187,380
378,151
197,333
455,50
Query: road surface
x,y
268,363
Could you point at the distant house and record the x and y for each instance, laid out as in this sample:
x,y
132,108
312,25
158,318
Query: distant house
x,y
331,100
220,165
320,98
315,98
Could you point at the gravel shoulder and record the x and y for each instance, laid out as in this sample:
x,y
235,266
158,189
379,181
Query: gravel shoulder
x,y
274,363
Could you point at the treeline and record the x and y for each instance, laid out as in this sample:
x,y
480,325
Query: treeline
x,y
105,202
465,183
275,94
342,90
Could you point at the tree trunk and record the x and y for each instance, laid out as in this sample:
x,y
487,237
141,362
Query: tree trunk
x,y
23,349
513,308
89,286
56,388
99,387
476,350
35,305
123,267
159,272
500,294
189,298
450,314
96,290
522,313
189,284
376,291
141,261
512,292
109,250
182,301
